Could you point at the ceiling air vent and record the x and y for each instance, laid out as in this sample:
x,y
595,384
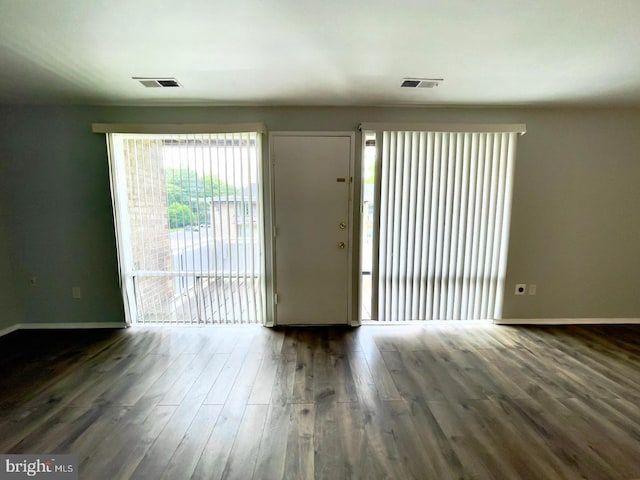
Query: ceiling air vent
x,y
421,82
162,82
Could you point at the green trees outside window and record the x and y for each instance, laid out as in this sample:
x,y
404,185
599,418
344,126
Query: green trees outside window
x,y
189,196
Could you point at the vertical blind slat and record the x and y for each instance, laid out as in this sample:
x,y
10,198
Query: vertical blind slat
x,y
404,292
455,229
417,261
424,269
486,194
412,146
506,222
448,228
495,261
383,256
459,277
397,222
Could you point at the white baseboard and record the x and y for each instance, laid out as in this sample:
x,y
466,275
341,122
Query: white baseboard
x,y
6,331
60,326
567,321
423,323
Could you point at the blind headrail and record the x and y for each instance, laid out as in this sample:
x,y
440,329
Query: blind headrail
x,y
178,128
520,128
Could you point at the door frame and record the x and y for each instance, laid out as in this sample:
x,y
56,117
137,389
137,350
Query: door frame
x,y
351,205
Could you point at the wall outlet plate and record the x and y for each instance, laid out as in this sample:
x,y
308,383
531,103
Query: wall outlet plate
x,y
521,288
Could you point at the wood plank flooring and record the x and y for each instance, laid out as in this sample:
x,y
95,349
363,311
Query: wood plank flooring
x,y
433,401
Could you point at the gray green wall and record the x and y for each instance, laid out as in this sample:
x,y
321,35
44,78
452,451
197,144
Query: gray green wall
x,y
58,217
575,223
10,313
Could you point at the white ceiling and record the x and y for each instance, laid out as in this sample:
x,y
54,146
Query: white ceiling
x,y
327,52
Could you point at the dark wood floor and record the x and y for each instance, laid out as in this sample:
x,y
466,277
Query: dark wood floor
x,y
426,402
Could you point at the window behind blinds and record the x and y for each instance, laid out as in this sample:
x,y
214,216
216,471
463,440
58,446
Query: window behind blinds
x,y
189,216
444,212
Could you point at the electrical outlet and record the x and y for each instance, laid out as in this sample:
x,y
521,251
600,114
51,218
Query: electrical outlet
x,y
33,281
532,289
521,288
76,292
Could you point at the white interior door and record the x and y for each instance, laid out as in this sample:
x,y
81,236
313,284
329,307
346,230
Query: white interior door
x,y
312,191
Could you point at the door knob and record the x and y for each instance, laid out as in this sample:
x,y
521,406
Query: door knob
x,y
342,245
342,225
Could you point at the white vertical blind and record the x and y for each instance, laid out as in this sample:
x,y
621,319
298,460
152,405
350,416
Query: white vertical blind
x,y
444,224
188,211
